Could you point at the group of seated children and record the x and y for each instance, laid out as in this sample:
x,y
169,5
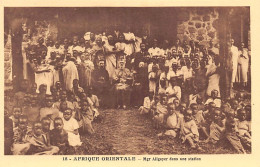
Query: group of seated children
x,y
213,121
48,124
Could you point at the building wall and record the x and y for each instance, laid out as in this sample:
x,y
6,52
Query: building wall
x,y
8,62
198,24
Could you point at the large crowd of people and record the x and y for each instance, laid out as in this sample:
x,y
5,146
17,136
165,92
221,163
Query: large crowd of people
x,y
176,86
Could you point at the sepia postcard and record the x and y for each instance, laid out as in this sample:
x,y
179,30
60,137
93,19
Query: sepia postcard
x,y
129,83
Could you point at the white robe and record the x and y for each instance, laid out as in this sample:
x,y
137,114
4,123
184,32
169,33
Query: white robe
x,y
213,79
243,62
110,60
44,78
70,72
234,54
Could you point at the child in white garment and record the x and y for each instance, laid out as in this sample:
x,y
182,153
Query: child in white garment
x,y
71,126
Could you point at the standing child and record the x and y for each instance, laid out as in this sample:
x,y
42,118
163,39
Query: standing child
x,y
71,126
153,78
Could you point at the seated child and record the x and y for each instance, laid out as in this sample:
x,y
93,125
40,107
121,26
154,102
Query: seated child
x,y
235,105
46,125
248,112
217,126
176,102
181,109
214,98
244,128
32,110
145,109
161,111
19,96
58,136
162,85
173,121
198,117
154,105
40,143
8,132
86,116
95,102
63,98
189,130
193,97
75,102
17,112
200,103
208,110
174,90
22,134
48,110
58,86
71,126
76,89
233,137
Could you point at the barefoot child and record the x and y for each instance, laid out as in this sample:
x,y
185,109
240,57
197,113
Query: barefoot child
x,y
189,130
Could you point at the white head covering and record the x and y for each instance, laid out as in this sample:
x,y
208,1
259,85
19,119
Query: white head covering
x,y
87,36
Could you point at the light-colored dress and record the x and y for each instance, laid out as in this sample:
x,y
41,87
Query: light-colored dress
x,y
70,126
234,55
213,79
110,59
243,62
70,72
43,77
129,48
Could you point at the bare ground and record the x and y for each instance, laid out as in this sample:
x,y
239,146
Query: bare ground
x,y
125,132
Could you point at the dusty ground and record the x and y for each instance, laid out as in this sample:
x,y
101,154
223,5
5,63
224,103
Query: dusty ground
x,y
126,132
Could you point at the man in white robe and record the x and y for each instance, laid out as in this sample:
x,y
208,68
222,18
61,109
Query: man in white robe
x,y
234,54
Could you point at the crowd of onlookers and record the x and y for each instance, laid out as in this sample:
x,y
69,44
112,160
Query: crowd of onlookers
x,y
177,86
